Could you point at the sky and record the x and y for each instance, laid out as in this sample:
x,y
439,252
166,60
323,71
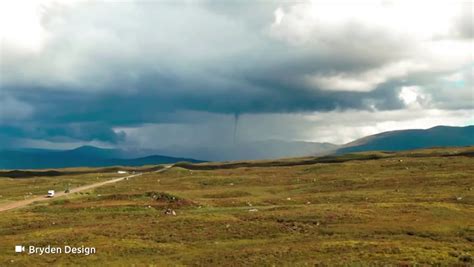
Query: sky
x,y
151,74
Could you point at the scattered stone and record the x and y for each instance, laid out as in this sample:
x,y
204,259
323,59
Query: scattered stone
x,y
308,203
249,204
253,210
458,198
288,198
170,212
231,184
227,226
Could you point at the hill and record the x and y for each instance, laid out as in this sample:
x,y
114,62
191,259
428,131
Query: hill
x,y
89,156
439,136
86,156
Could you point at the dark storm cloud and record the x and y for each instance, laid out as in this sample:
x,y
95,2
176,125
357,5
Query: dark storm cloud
x,y
109,65
149,104
63,132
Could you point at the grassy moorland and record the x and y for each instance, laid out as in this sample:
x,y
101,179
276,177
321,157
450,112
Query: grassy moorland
x,y
408,208
19,189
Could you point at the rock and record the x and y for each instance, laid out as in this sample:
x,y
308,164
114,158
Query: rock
x,y
253,210
170,212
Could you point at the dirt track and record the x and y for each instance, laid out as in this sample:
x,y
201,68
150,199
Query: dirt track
x,y
23,203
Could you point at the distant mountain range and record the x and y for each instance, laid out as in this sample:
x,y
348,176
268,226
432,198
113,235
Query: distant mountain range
x,y
439,136
85,156
89,156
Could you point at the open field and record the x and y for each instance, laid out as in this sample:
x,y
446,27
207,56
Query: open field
x,y
20,189
74,171
406,208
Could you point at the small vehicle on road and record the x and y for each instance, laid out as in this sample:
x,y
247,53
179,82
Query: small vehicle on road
x,y
50,193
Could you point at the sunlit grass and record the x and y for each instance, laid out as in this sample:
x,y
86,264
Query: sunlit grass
x,y
396,210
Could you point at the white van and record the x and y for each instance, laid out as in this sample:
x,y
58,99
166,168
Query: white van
x,y
50,193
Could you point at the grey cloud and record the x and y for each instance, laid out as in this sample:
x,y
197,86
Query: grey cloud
x,y
111,65
64,132
12,109
464,26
